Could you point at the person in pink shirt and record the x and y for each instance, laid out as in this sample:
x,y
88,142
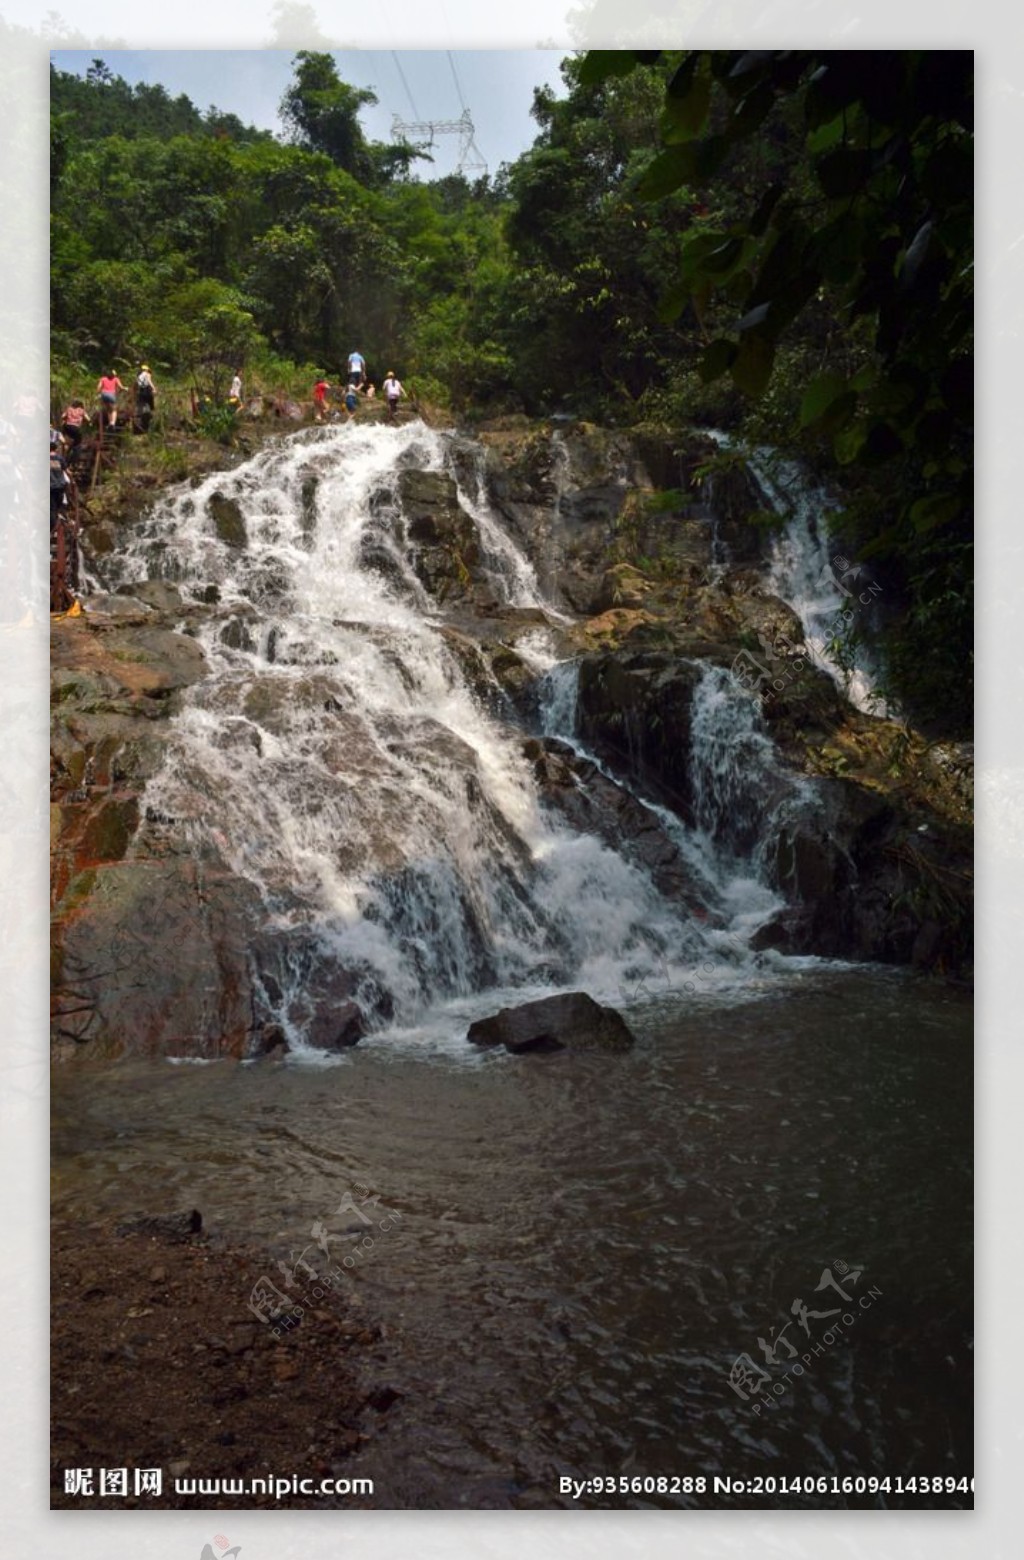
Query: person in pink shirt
x,y
75,415
107,389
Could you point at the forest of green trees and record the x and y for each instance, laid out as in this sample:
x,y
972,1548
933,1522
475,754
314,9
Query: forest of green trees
x,y
774,242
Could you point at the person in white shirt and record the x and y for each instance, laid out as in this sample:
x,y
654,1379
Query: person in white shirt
x,y
356,368
392,388
235,393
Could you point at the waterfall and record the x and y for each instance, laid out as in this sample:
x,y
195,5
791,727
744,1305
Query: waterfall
x,y
741,799
808,571
337,758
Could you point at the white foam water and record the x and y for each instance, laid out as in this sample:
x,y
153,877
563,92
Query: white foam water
x,y
807,571
337,758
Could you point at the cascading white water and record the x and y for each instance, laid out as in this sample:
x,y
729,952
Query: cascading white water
x,y
741,797
336,756
807,570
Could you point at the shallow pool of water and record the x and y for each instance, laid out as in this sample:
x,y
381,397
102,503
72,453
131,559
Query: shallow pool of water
x,y
579,1249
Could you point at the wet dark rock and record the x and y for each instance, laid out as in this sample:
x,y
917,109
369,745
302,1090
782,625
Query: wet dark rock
x,y
336,1028
150,957
382,1398
291,977
269,1043
634,711
860,881
497,673
172,1227
590,802
238,636
446,546
123,605
569,1022
228,520
158,594
308,503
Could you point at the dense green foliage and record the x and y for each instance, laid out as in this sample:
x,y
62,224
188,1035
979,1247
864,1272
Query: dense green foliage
x,y
778,243
868,234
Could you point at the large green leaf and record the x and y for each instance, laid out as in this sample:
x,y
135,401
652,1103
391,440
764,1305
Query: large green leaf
x,y
938,509
692,163
826,136
716,360
751,368
819,396
604,64
685,114
844,172
673,301
765,206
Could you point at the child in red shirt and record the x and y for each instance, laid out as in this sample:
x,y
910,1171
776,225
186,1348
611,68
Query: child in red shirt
x,y
320,390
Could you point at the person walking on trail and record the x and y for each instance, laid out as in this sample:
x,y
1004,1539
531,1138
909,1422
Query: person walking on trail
x,y
320,390
351,401
58,480
393,391
145,395
235,393
356,368
75,415
107,388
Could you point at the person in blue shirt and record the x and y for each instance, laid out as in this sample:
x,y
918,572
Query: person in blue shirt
x,y
356,368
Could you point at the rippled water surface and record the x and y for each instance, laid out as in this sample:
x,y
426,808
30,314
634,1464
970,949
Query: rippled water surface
x,y
584,1246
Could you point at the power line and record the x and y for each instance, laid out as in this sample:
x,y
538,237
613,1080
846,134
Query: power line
x,y
455,78
469,158
405,84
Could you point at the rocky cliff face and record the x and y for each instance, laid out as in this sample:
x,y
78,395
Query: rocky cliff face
x,y
160,947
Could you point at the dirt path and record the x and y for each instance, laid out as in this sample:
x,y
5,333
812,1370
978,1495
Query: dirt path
x,y
157,1362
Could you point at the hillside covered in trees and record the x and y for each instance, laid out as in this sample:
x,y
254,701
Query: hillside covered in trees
x,y
776,243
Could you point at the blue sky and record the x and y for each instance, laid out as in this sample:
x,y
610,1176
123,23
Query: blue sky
x,y
496,85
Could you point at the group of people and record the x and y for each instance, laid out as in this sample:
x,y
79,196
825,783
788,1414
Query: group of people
x,y
357,385
109,386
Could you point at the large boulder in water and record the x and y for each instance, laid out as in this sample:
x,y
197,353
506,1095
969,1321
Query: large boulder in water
x,y
572,1021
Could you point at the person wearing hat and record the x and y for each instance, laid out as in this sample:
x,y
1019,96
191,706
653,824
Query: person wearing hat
x,y
145,395
392,388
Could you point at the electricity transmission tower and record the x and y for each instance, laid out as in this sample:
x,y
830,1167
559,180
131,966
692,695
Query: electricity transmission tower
x,y
470,158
